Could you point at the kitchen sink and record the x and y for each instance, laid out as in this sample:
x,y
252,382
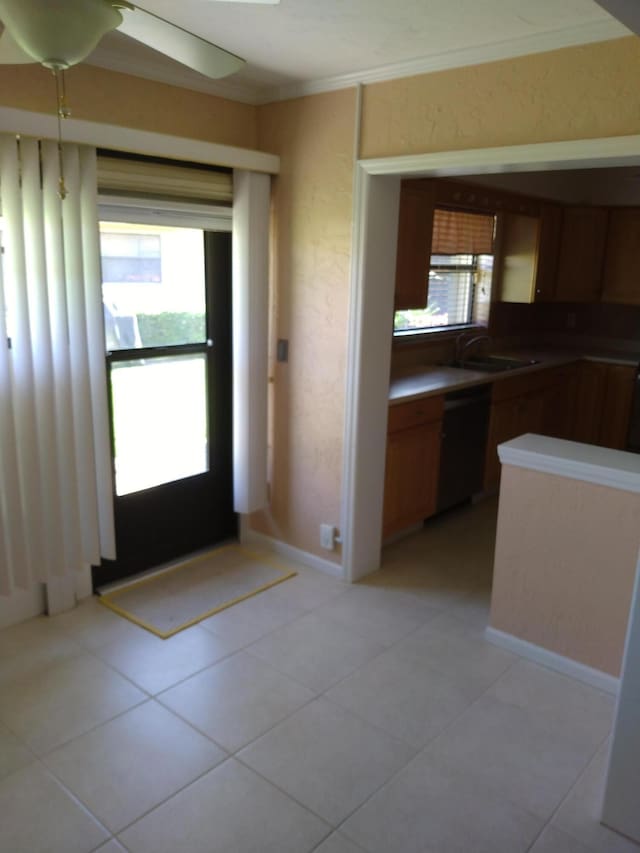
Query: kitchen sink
x,y
491,363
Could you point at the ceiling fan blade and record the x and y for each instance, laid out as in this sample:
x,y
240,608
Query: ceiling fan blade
x,y
626,11
178,44
10,51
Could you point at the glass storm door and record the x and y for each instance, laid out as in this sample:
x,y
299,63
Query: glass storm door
x,y
167,311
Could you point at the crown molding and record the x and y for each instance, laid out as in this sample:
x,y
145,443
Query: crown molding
x,y
537,43
114,60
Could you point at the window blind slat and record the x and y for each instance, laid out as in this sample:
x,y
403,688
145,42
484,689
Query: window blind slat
x,y
460,233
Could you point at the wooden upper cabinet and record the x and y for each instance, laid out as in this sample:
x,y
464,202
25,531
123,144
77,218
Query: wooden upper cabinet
x,y
583,236
415,229
621,280
516,256
548,251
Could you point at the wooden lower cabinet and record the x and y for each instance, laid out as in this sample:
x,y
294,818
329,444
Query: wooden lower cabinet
x,y
542,402
603,404
590,394
412,464
586,401
519,404
503,426
589,402
508,419
559,402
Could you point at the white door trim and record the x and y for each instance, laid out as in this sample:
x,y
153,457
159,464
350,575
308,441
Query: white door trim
x,y
371,306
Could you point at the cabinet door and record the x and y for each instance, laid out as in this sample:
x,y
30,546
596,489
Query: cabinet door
x,y
411,476
415,231
581,254
504,424
530,412
548,250
516,258
621,281
559,403
616,411
590,397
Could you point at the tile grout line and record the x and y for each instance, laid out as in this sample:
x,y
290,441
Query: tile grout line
x,y
428,746
570,791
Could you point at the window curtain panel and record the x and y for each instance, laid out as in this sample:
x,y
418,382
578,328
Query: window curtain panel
x,y
56,497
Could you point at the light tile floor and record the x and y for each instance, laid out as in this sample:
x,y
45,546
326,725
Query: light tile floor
x,y
316,716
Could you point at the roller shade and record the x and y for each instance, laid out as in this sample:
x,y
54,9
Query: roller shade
x,y
143,178
457,232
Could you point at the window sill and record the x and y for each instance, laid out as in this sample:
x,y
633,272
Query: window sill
x,y
415,337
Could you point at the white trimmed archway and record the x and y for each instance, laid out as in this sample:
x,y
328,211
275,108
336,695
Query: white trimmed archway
x,y
377,188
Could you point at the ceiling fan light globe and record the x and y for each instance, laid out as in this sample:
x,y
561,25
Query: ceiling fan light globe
x,y
59,33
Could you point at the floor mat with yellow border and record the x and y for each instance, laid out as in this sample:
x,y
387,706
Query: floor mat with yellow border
x,y
188,592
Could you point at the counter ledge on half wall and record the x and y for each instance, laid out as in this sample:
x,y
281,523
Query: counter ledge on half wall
x,y
614,468
566,553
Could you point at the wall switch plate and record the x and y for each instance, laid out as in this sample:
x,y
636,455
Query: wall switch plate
x,y
327,536
282,350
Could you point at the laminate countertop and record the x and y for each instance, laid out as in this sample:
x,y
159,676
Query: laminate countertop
x,y
412,383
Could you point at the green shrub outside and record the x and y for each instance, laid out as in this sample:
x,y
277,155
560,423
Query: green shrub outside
x,y
178,327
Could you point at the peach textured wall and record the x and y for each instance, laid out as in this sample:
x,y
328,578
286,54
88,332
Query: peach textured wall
x,y
312,203
565,562
96,94
575,93
579,92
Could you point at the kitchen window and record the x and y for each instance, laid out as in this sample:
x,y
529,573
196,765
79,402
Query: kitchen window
x,y
458,285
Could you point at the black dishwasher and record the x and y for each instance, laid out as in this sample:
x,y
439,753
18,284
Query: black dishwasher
x,y
464,442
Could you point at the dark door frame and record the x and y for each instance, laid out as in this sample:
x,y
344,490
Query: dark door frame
x,y
166,522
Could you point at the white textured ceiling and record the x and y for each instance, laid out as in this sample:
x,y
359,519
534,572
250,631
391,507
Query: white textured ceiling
x,y
301,44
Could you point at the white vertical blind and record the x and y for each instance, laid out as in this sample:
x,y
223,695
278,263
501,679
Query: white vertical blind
x,y
250,338
55,477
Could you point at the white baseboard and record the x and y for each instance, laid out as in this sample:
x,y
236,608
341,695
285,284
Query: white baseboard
x,y
252,537
552,660
21,604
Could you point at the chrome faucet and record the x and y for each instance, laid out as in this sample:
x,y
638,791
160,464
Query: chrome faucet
x,y
460,339
472,342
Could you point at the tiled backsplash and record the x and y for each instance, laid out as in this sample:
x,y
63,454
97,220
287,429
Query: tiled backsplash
x,y
569,324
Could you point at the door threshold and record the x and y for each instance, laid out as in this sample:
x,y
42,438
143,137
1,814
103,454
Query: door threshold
x,y
165,567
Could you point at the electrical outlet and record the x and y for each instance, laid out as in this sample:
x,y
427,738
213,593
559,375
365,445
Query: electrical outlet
x,y
327,536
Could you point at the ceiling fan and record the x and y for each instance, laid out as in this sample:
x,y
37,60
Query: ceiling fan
x,y
62,33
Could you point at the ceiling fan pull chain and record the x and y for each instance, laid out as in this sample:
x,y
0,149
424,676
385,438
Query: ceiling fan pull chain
x,y
63,112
